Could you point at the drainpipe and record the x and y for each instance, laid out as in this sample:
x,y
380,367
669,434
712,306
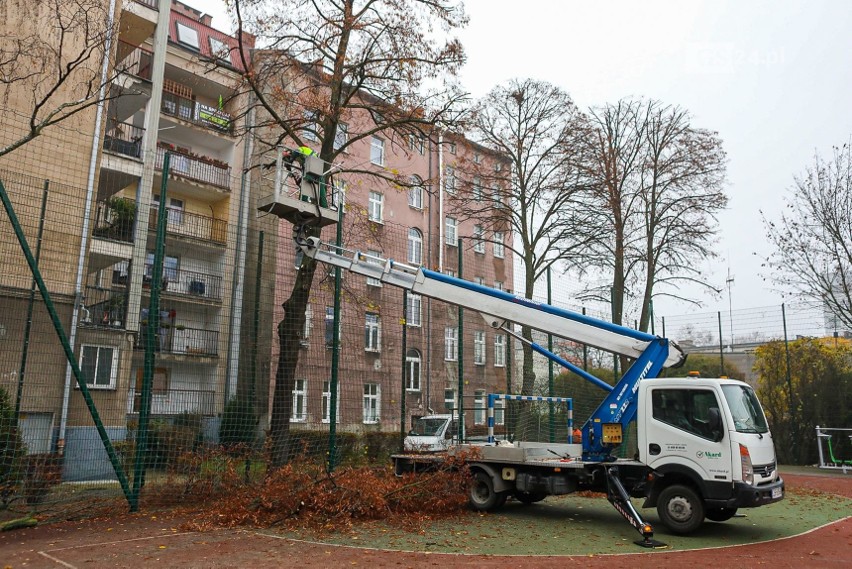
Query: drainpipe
x,y
238,282
84,240
440,202
428,403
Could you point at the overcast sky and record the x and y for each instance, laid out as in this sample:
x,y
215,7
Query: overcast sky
x,y
773,78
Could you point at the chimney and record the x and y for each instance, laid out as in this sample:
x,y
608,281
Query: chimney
x,y
206,19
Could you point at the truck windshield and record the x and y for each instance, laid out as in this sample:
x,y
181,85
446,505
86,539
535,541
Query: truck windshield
x,y
745,408
428,427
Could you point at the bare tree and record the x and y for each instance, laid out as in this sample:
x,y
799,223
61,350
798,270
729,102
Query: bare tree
x,y
323,63
658,187
813,253
53,70
536,197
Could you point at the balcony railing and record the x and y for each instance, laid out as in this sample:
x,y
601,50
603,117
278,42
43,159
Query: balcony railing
x,y
196,113
103,307
177,339
114,219
193,225
150,3
197,169
190,283
124,138
138,62
174,401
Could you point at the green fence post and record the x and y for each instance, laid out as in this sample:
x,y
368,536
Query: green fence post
x,y
404,377
460,354
335,347
69,352
550,386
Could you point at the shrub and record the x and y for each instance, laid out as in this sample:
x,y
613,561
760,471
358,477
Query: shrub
x,y
12,450
43,472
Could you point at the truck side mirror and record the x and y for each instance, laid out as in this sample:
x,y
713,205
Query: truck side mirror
x,y
715,423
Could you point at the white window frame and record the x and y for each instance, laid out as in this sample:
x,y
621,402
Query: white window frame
x,y
377,150
174,209
479,411
311,130
414,310
373,257
413,369
299,412
306,330
477,189
499,411
499,350
326,401
477,158
479,347
329,323
478,239
415,193
341,137
219,49
415,246
449,399
372,403
416,142
372,332
499,285
375,206
451,231
187,36
451,344
499,247
113,372
452,148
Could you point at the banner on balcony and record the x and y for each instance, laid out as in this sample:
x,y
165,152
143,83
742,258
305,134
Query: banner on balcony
x,y
212,116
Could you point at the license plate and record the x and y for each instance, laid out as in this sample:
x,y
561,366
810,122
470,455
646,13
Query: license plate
x,y
776,493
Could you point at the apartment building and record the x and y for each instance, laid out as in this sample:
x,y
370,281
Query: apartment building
x,y
174,92
419,225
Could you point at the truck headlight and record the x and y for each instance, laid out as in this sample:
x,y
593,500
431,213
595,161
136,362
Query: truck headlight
x,y
748,469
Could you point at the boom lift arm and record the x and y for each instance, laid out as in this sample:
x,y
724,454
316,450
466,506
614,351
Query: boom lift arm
x,y
603,432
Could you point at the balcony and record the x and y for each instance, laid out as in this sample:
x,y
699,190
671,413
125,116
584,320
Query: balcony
x,y
125,139
196,113
190,283
114,219
153,4
174,401
179,340
184,224
103,307
137,62
200,169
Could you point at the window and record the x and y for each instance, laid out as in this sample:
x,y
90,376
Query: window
x,y
479,280
498,285
99,365
477,189
450,179
413,310
449,399
374,206
688,410
499,249
412,370
372,402
451,231
170,269
497,196
373,333
187,36
329,327
174,210
477,158
451,344
377,151
415,193
299,412
478,243
499,350
415,142
479,347
499,416
479,407
450,273
341,137
219,49
306,330
452,148
326,402
374,258
309,132
415,246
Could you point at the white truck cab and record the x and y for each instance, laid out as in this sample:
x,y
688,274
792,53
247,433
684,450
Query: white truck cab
x,y
432,433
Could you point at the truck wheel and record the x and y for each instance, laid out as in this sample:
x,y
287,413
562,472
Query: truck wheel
x,y
720,514
529,497
680,508
483,498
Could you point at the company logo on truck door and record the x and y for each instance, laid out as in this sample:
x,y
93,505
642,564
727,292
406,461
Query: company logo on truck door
x,y
708,454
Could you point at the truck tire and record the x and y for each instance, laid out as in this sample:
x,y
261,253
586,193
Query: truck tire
x,y
483,498
720,514
680,508
529,497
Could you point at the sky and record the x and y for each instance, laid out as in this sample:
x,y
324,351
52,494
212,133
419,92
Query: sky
x,y
771,77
